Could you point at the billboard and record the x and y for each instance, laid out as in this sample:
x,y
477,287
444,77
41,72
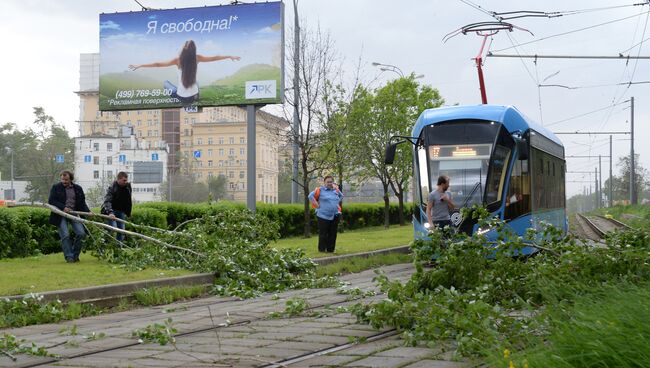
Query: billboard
x,y
209,56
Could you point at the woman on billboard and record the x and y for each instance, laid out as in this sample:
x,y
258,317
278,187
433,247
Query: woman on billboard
x,y
186,62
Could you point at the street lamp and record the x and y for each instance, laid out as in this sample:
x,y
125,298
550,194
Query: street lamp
x,y
394,69
13,195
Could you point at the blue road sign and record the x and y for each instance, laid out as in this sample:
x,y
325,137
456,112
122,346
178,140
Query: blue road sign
x,y
197,154
154,157
59,159
122,158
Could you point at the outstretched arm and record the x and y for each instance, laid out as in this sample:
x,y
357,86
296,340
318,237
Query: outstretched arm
x,y
202,58
158,64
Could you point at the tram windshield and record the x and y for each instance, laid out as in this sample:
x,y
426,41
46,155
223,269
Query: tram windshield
x,y
461,150
466,165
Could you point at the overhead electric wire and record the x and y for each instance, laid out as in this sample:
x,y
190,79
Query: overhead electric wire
x,y
574,31
585,114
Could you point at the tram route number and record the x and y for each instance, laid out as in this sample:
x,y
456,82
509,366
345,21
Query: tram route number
x,y
135,93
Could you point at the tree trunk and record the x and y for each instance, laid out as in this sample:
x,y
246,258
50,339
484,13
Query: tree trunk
x,y
400,198
386,207
305,194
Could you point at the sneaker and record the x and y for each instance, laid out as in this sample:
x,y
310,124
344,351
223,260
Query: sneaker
x,y
76,259
69,260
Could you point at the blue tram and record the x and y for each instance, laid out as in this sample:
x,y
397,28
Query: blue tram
x,y
496,157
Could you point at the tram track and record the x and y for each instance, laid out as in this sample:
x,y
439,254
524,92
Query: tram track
x,y
252,318
595,227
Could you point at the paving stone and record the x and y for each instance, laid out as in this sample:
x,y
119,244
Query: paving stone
x,y
428,363
279,335
379,362
328,339
274,352
369,348
326,361
247,342
216,349
404,352
299,345
349,332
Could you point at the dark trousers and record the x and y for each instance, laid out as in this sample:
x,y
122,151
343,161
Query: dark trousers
x,y
327,234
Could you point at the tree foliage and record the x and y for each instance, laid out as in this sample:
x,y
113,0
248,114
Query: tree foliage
x,y
376,116
35,150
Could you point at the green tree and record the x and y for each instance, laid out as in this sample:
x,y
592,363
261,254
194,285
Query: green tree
x,y
217,187
621,183
185,189
377,116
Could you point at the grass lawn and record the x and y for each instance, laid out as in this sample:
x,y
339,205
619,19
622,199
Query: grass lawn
x,y
353,241
51,272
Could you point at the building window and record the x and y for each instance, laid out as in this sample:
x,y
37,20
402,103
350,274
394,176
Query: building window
x,y
220,151
95,160
242,151
242,140
109,147
96,146
231,152
231,174
199,141
193,120
231,140
220,140
96,174
186,132
209,163
209,152
109,160
209,140
241,174
155,133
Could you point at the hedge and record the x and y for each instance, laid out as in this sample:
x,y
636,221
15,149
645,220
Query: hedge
x,y
26,231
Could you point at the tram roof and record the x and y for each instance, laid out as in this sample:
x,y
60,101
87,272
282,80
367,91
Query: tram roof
x,y
509,116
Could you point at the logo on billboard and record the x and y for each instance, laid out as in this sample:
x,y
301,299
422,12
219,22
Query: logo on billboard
x,y
260,89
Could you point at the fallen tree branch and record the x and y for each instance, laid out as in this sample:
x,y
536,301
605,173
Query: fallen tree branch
x,y
107,227
93,214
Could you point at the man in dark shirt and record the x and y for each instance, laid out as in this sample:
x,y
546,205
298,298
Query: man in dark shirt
x,y
117,202
67,197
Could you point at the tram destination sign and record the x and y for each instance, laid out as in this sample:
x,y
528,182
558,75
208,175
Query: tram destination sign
x,y
192,57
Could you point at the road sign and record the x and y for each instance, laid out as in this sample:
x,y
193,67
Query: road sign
x,y
122,158
197,154
59,159
154,157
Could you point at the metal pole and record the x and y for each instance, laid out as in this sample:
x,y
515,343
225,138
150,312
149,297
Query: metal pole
x,y
600,183
596,187
632,173
12,172
169,181
250,146
611,178
479,64
296,103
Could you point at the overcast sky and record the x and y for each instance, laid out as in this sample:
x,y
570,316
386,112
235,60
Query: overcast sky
x,y
42,41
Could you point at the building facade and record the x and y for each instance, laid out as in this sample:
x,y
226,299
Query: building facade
x,y
202,144
98,158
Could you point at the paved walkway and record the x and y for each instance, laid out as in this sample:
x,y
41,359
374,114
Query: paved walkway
x,y
228,332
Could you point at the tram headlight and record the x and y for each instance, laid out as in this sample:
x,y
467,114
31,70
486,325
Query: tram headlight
x,y
426,225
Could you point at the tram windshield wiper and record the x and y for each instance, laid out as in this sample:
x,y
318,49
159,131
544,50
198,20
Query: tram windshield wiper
x,y
471,194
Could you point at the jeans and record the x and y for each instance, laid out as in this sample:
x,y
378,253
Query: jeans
x,y
120,225
71,250
327,234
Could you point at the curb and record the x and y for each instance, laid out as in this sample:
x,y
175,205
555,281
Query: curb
x,y
110,294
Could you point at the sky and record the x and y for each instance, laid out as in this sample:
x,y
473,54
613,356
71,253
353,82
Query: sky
x,y
42,41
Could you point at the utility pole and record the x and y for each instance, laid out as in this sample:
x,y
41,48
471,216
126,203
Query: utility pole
x,y
296,103
596,187
633,199
611,178
600,183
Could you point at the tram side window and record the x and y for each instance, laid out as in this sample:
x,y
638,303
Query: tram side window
x,y
518,196
500,160
548,184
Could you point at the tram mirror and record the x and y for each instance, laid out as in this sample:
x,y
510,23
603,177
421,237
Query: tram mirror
x,y
390,153
522,148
